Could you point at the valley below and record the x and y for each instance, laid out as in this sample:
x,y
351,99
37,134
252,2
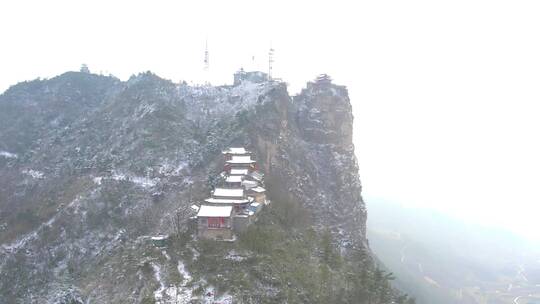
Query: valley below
x,y
435,257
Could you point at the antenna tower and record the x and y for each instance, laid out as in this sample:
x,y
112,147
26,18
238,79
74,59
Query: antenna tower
x,y
270,62
206,59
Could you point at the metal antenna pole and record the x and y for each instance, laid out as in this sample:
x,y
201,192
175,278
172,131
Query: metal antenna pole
x,y
270,62
206,57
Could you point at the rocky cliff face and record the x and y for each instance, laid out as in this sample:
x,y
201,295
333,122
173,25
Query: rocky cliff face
x,y
306,142
91,166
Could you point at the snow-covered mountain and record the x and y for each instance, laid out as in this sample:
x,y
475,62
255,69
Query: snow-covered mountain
x,y
91,166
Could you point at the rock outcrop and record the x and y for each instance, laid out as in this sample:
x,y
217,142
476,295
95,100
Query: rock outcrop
x,y
307,144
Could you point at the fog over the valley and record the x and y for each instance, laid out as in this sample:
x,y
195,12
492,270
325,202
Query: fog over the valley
x,y
445,94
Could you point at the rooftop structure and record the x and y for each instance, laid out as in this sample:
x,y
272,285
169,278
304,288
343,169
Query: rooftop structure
x,y
227,201
255,77
159,237
241,160
255,207
234,179
248,184
224,192
258,194
215,211
237,151
323,79
257,176
258,189
239,172
160,241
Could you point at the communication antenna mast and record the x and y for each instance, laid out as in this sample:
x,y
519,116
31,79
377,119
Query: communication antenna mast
x,y
270,62
206,59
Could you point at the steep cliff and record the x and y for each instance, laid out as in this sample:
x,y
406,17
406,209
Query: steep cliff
x,y
314,159
91,166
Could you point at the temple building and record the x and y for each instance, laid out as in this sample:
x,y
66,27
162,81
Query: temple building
x,y
254,77
234,181
258,193
235,203
229,153
215,222
226,193
241,162
238,172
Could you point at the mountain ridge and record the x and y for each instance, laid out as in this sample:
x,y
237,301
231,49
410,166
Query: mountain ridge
x,y
86,184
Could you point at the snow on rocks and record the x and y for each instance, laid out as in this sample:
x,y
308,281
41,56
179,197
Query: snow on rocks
x,y
185,274
222,101
211,298
34,173
97,180
194,251
234,256
183,294
144,182
168,168
158,294
7,154
144,109
172,294
166,255
31,236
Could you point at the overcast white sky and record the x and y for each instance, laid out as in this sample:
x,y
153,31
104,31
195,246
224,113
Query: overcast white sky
x,y
445,93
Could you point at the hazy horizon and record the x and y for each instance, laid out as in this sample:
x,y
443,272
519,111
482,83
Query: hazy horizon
x,y
445,95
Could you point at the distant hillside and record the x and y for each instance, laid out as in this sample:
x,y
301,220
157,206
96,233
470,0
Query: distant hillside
x,y
444,260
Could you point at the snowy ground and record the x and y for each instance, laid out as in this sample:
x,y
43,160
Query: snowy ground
x,y
210,297
141,181
34,173
158,294
7,154
181,294
31,236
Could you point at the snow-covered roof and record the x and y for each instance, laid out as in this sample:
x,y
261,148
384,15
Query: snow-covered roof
x,y
227,192
239,151
233,179
257,175
159,237
239,171
241,160
250,184
214,211
258,189
225,201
